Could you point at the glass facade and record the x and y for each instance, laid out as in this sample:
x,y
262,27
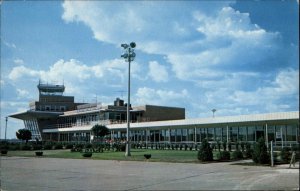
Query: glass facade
x,y
286,134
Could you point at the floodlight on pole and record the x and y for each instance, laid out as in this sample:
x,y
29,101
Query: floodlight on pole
x,y
6,118
213,110
129,56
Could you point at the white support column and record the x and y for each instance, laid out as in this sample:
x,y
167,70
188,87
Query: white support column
x,y
227,131
267,140
195,135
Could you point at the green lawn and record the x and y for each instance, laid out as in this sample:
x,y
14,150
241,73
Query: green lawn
x,y
136,155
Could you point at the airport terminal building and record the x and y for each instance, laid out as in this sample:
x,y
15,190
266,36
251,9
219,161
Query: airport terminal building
x,y
55,117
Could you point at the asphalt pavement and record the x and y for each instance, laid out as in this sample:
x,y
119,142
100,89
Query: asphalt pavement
x,y
22,173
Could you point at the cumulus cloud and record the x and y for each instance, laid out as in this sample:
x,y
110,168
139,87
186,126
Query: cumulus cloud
x,y
76,75
158,72
146,95
215,47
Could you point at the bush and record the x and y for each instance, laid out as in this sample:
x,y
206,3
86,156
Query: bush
x,y
26,147
4,146
225,155
88,146
87,154
236,155
69,146
58,146
48,147
205,152
14,147
260,154
37,147
285,155
249,151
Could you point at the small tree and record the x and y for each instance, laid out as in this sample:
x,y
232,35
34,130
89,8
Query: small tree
x,y
100,130
205,152
260,153
23,134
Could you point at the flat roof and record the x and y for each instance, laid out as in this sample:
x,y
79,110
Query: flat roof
x,y
29,114
240,120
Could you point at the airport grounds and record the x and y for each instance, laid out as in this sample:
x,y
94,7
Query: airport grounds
x,y
166,169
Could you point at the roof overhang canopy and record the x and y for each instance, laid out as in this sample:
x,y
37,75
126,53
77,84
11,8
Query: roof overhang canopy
x,y
35,114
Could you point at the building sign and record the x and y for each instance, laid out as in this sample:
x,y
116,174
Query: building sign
x,y
278,135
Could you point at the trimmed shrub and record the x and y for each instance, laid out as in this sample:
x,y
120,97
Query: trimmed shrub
x,y
147,156
69,146
14,147
249,151
39,153
88,146
205,152
224,155
285,155
37,147
87,154
26,147
58,146
236,155
260,154
48,147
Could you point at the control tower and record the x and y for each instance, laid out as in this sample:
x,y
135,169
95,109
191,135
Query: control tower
x,y
49,89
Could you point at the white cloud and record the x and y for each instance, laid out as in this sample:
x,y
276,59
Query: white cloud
x,y
158,72
19,61
196,43
147,95
22,93
21,71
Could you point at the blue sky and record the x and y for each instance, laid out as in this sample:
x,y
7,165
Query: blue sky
x,y
239,57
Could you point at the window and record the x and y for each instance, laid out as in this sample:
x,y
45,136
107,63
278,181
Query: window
x,y
218,134
210,134
251,133
291,132
62,108
242,134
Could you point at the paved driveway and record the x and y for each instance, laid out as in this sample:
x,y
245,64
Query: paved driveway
x,y
20,173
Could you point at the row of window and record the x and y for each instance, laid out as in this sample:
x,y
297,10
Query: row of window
x,y
286,133
232,134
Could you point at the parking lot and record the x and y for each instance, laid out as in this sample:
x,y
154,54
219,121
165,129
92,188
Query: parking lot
x,y
22,173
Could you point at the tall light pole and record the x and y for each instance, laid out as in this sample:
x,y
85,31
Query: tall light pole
x,y
6,118
213,110
129,56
